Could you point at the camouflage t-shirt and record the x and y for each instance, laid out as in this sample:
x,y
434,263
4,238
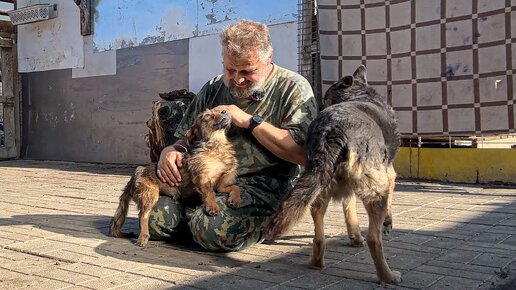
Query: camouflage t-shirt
x,y
288,103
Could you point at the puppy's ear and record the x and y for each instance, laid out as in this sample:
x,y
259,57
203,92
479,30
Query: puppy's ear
x,y
360,74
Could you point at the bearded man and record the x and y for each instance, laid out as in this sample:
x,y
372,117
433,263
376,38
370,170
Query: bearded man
x,y
271,108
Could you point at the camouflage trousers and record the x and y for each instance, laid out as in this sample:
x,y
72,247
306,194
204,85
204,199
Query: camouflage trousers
x,y
232,229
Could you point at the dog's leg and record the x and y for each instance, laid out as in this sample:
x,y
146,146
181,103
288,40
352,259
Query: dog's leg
x,y
377,210
121,212
205,187
148,198
227,184
350,212
318,211
387,223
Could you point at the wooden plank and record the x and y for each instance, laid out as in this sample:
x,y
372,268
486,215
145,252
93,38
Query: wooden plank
x,y
9,150
6,42
6,26
6,67
6,57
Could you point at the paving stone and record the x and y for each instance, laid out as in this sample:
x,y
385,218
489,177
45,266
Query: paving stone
x,y
455,283
12,280
450,272
418,279
88,269
462,267
167,276
48,284
113,281
230,282
64,276
352,284
492,260
313,281
459,256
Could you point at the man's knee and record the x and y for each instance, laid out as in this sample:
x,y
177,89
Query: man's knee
x,y
224,232
165,217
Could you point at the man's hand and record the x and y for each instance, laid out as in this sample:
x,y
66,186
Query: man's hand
x,y
170,160
239,118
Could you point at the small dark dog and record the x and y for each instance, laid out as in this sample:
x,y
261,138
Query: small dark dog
x,y
350,149
209,165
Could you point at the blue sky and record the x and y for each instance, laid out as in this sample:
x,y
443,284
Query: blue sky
x,y
140,21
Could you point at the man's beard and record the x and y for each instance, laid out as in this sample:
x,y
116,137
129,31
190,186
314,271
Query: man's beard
x,y
253,92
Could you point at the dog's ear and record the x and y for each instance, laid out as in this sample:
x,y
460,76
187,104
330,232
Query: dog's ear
x,y
360,74
189,136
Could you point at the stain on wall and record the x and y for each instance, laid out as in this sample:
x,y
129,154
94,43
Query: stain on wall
x,y
130,23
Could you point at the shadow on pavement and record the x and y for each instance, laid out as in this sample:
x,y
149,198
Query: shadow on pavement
x,y
429,245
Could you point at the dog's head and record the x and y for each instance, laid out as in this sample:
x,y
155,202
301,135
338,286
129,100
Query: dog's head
x,y
208,124
347,88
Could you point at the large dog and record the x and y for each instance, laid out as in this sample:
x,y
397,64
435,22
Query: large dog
x,y
208,165
350,148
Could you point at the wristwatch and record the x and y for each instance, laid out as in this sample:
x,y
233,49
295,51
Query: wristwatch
x,y
254,122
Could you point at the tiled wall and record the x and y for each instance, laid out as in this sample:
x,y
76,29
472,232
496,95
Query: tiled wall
x,y
446,66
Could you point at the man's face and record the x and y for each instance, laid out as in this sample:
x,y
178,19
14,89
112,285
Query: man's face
x,y
244,77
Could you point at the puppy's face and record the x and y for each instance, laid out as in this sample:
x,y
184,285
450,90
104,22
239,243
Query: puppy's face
x,y
208,123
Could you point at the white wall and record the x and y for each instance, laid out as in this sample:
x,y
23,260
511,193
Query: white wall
x,y
52,44
205,60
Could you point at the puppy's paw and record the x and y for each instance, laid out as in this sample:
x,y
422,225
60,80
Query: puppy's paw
x,y
387,226
316,263
233,201
142,240
212,210
115,234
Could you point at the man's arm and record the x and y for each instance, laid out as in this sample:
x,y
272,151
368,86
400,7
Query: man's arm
x,y
276,140
280,143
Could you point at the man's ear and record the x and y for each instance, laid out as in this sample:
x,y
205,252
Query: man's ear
x,y
360,74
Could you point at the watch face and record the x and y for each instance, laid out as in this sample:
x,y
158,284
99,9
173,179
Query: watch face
x,y
257,119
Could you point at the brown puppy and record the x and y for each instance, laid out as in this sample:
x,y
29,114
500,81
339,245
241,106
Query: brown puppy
x,y
209,165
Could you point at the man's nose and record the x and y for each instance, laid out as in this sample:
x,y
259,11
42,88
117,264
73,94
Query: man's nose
x,y
224,112
239,79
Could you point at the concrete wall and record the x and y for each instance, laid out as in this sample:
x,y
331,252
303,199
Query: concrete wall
x,y
100,119
467,165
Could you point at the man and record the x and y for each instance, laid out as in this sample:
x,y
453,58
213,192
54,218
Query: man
x,y
271,109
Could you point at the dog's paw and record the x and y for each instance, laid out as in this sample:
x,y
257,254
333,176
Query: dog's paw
x,y
356,241
387,226
393,278
212,210
233,201
142,240
316,263
116,234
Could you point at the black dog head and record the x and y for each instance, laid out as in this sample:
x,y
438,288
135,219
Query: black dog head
x,y
347,88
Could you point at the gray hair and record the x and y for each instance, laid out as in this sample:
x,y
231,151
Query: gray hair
x,y
246,37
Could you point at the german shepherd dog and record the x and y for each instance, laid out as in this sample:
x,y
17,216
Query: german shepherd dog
x,y
209,165
350,148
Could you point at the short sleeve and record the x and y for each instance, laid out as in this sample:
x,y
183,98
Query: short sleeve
x,y
301,110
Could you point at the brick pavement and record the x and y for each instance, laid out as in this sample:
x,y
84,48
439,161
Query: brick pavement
x,y
54,218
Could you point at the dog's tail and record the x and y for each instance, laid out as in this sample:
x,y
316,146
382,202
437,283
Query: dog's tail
x,y
297,201
123,207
